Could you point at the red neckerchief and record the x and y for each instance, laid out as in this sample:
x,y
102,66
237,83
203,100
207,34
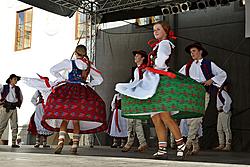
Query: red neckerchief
x,y
86,61
140,70
153,42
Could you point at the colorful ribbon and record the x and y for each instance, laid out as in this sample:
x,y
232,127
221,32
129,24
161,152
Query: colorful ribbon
x,y
161,72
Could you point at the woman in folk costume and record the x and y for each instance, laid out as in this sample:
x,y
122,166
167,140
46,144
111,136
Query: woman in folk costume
x,y
35,126
118,125
71,104
160,92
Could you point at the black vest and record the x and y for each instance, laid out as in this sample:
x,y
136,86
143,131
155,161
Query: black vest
x,y
5,92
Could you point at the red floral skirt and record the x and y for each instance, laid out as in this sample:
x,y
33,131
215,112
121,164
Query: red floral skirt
x,y
75,102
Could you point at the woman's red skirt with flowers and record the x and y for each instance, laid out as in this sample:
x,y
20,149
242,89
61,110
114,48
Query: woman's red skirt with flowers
x,y
75,102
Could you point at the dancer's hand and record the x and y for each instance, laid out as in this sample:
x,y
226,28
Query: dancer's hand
x,y
208,82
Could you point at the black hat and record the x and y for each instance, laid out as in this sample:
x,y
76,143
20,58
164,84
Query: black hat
x,y
141,52
12,76
198,46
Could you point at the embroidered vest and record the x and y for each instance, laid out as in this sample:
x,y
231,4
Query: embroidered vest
x,y
75,76
6,90
153,55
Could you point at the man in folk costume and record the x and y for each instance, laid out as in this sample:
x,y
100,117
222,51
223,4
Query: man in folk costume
x,y
208,74
135,127
223,105
11,98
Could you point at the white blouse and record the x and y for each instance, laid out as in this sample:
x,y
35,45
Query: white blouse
x,y
163,53
146,87
66,65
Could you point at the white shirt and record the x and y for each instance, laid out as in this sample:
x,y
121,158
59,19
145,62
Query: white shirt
x,y
227,104
196,73
11,97
67,66
136,75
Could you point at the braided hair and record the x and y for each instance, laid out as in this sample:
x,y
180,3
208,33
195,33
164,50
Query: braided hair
x,y
81,50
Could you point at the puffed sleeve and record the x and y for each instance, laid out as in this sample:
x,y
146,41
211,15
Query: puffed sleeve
x,y
56,69
219,75
96,76
163,52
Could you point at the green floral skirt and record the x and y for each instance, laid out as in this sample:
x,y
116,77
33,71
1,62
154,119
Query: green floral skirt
x,y
181,94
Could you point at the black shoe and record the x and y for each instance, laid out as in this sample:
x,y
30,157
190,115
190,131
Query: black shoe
x,y
114,145
182,152
36,145
71,142
15,146
161,154
46,146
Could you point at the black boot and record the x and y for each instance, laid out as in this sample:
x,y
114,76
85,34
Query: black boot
x,y
115,144
161,153
123,142
181,152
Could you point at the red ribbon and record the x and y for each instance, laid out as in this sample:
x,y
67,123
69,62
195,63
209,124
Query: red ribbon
x,y
171,35
153,42
140,68
116,115
46,80
162,72
86,61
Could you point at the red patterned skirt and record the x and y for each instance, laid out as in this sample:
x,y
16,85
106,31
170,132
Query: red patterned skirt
x,y
75,102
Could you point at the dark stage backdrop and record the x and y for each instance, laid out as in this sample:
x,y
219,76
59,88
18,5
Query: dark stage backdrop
x,y
221,30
